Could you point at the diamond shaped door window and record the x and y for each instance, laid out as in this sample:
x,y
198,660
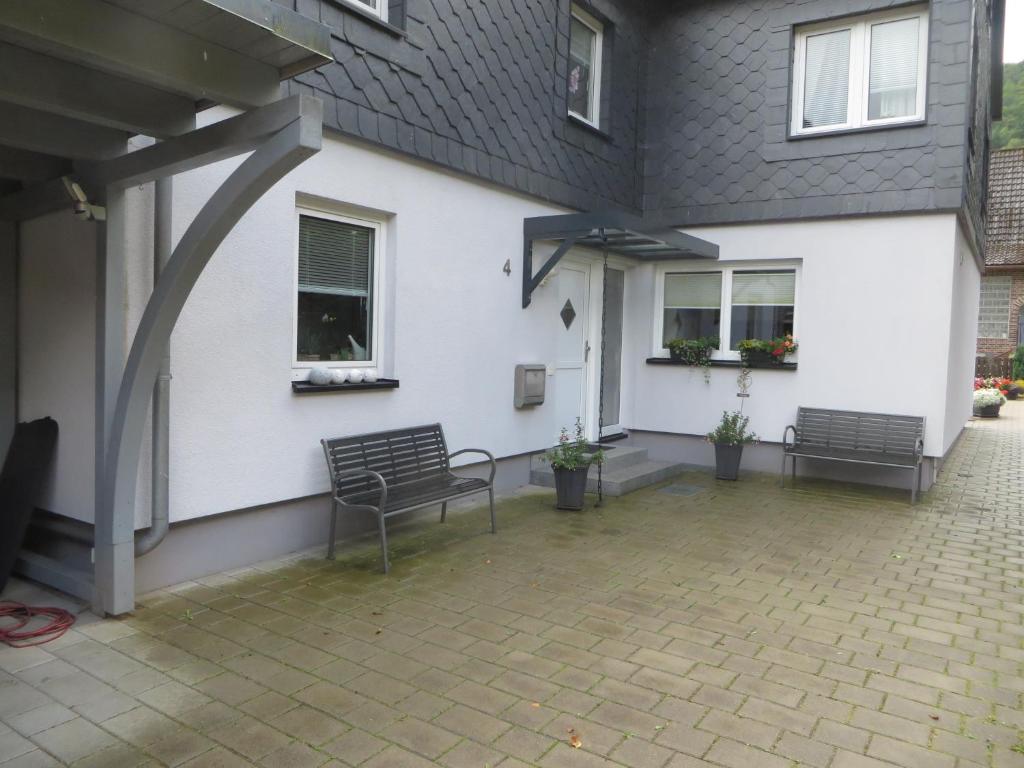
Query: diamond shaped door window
x,y
568,314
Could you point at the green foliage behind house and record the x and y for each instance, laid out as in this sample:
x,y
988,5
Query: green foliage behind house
x,y
1009,132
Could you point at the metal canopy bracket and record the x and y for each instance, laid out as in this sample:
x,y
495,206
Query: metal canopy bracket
x,y
290,134
615,232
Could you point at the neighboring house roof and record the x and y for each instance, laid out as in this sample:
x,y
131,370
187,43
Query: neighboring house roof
x,y
1005,208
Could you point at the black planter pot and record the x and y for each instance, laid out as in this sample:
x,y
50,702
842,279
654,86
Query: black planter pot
x,y
989,411
1012,393
727,461
570,487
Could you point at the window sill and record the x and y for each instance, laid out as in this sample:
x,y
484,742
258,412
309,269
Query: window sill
x,y
371,18
579,122
305,388
723,364
848,131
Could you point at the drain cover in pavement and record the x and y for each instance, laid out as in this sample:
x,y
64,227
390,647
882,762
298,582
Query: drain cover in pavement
x,y
681,490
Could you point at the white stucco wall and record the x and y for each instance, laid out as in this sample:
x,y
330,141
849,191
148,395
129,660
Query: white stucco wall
x,y
872,320
963,339
56,343
454,330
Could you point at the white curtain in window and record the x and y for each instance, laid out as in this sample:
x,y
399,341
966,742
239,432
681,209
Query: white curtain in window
x,y
334,257
892,90
763,288
826,78
693,291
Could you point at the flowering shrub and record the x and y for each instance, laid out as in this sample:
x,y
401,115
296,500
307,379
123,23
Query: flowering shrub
x,y
573,452
732,430
988,396
992,382
777,348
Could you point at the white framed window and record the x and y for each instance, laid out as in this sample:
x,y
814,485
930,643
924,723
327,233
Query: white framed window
x,y
378,8
862,72
584,78
994,307
736,302
338,274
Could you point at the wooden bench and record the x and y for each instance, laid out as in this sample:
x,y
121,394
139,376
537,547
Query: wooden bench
x,y
388,473
881,439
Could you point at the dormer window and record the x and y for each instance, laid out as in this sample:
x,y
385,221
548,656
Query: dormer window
x,y
584,83
860,73
378,8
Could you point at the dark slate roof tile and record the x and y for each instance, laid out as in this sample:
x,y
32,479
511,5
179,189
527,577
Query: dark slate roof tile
x,y
1006,207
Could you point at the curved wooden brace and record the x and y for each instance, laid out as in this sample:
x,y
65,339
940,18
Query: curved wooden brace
x,y
258,173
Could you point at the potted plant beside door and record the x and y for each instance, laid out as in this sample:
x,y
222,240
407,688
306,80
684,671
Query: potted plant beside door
x,y
729,437
570,461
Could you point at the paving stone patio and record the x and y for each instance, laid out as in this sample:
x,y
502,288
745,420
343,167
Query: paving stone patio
x,y
725,624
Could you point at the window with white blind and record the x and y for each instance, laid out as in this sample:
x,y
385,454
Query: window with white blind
x,y
861,72
994,308
337,279
733,304
584,77
762,305
693,306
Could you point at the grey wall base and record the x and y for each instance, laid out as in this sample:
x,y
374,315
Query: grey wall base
x,y
209,545
767,457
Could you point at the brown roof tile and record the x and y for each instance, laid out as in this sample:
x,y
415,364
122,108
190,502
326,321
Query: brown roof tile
x,y
1005,207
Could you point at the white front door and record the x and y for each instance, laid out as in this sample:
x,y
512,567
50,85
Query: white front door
x,y
610,397
571,323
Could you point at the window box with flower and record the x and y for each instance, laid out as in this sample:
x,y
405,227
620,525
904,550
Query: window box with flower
x,y
761,353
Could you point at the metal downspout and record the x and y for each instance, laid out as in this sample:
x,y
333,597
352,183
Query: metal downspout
x,y
148,540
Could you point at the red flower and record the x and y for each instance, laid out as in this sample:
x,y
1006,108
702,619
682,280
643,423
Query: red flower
x,y
778,351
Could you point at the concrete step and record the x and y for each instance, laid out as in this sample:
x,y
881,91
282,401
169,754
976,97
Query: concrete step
x,y
615,457
618,480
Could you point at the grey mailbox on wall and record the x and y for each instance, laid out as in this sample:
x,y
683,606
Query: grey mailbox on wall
x,y
530,383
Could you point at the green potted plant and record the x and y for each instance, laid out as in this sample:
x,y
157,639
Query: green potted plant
x,y
758,353
694,352
570,461
729,437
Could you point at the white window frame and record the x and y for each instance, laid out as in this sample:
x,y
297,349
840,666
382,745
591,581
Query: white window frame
x,y
300,368
381,11
1007,280
725,326
860,62
597,28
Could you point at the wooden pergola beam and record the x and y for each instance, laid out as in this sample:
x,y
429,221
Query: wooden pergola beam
x,y
65,88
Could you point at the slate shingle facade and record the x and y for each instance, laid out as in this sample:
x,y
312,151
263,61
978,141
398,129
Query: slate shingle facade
x,y
695,131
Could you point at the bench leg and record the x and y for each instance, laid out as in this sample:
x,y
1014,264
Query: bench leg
x,y
494,521
916,487
444,510
383,542
334,525
794,469
782,474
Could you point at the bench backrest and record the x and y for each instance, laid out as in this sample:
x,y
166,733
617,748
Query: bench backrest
x,y
398,455
854,430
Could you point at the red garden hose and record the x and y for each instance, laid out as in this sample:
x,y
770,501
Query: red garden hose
x,y
16,635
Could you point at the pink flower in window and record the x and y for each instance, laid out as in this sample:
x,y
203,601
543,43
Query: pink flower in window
x,y
574,79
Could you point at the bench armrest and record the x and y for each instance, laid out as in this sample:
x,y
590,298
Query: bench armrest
x,y
490,458
785,434
919,448
367,473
